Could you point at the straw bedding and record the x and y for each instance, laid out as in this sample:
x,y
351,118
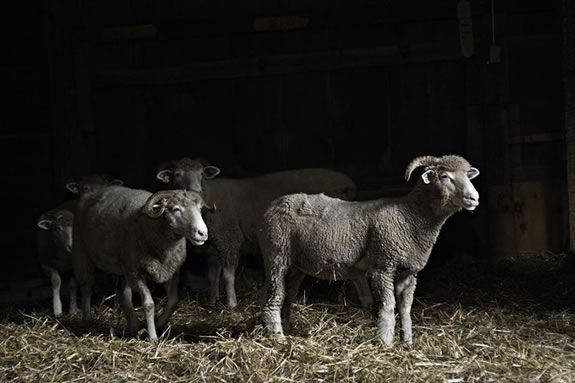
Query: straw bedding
x,y
471,324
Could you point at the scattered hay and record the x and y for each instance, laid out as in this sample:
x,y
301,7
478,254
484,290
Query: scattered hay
x,y
474,336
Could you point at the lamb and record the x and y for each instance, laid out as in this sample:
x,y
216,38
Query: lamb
x,y
240,206
54,241
386,240
139,236
54,238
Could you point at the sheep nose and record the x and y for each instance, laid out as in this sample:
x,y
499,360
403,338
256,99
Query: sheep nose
x,y
202,233
472,197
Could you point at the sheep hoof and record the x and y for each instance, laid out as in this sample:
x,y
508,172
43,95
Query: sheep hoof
x,y
232,304
386,337
407,345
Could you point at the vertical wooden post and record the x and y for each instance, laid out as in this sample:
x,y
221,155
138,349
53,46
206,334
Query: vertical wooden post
x,y
502,241
83,146
569,89
62,107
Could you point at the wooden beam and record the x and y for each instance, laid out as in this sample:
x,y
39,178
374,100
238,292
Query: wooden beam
x,y
281,64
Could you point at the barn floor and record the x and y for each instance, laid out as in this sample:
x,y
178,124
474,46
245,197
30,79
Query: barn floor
x,y
470,325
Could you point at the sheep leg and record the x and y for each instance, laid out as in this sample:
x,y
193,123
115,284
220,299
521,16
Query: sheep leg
x,y
148,306
84,275
382,286
404,290
73,288
124,294
229,254
294,279
56,282
86,290
171,287
271,314
363,292
214,272
229,275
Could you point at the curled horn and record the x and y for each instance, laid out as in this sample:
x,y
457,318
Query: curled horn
x,y
419,161
154,199
210,206
165,165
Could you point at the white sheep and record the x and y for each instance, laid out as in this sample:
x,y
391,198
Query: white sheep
x,y
240,204
139,236
386,240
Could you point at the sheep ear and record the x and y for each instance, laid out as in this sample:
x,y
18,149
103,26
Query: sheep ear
x,y
44,224
210,172
472,173
116,182
164,175
73,187
426,176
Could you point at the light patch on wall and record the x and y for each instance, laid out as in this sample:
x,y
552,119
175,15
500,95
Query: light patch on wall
x,y
280,23
132,32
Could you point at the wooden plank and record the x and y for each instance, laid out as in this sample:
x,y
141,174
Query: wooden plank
x,y
568,20
235,19
538,215
83,86
465,19
130,32
280,23
536,138
280,64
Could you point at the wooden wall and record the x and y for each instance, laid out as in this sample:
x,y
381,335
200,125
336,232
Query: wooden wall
x,y
360,86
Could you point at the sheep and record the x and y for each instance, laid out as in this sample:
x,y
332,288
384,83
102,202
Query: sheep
x,y
386,240
54,237
90,182
186,173
54,242
139,236
240,206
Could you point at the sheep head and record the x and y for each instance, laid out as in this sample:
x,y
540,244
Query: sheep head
x,y
451,176
88,183
182,211
186,174
59,224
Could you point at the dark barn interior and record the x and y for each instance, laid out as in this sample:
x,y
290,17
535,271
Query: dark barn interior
x,y
361,87
119,87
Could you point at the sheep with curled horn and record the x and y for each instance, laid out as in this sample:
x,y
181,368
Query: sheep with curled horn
x,y
386,240
140,236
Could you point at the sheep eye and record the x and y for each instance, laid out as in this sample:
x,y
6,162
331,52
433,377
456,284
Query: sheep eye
x,y
176,209
444,176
